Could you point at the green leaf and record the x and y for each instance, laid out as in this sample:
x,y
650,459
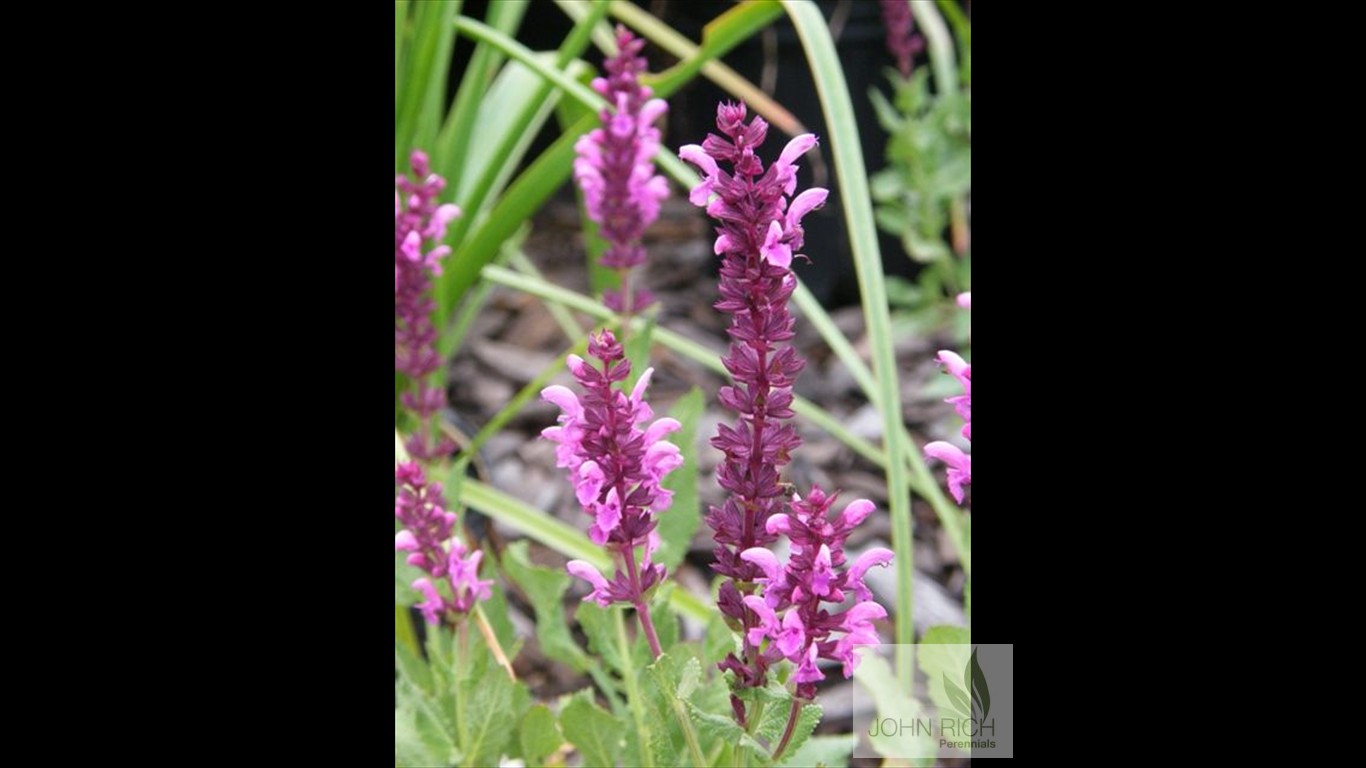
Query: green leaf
x,y
540,734
822,751
596,622
454,140
596,733
679,523
413,669
491,701
418,742
893,700
545,588
712,729
944,656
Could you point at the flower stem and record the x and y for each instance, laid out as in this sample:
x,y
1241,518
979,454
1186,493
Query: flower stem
x,y
642,608
633,692
787,732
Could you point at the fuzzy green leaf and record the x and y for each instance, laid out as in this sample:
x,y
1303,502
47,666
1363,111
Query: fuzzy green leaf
x,y
545,588
540,734
822,752
595,732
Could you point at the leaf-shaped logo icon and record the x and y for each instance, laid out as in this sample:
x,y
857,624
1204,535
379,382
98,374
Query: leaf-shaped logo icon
x,y
957,697
975,681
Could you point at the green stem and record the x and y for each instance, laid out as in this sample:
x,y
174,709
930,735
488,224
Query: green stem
x,y
633,689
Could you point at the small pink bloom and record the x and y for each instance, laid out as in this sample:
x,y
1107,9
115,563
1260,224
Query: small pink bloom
x,y
959,464
588,573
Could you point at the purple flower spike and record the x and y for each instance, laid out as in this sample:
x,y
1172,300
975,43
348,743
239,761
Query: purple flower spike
x,y
421,222
614,168
896,17
426,528
616,458
795,613
759,215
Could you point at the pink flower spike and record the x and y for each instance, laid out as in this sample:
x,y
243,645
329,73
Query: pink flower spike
x,y
587,572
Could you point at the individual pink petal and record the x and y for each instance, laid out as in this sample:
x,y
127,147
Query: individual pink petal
x,y
651,110
638,393
587,572
766,560
661,428
793,634
856,512
588,485
779,523
821,572
807,672
955,365
774,250
965,300
768,620
875,556
694,154
798,146
404,541
564,398
809,200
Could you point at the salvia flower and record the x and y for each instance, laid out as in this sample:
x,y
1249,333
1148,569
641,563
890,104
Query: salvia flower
x,y
616,458
759,232
802,610
959,463
615,169
896,17
419,224
427,537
